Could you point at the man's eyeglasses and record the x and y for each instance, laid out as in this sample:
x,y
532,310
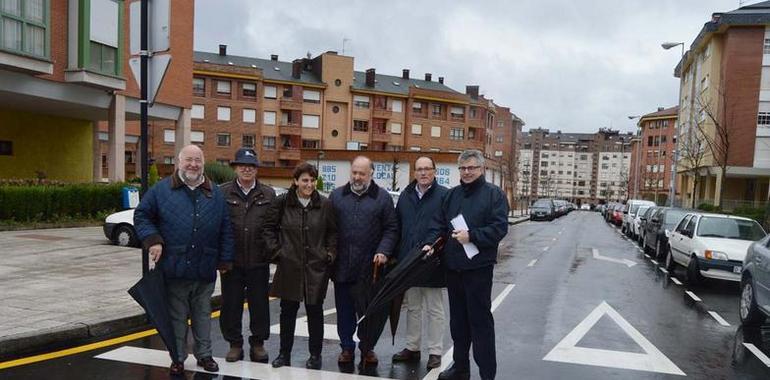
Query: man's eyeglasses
x,y
469,168
424,170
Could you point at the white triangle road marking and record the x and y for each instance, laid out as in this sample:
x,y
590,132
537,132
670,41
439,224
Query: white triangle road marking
x,y
652,360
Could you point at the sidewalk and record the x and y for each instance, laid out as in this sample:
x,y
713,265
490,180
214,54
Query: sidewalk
x,y
512,220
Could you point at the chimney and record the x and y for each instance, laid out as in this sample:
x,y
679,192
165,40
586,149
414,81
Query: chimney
x,y
296,68
222,50
441,80
370,77
660,109
273,57
405,74
427,77
473,91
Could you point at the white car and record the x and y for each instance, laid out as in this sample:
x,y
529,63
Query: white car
x,y
585,206
712,245
637,221
628,217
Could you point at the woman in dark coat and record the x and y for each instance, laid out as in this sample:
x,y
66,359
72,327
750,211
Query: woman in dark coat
x,y
301,233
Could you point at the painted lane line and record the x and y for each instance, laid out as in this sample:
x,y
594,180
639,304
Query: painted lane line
x,y
693,296
532,263
665,271
560,232
653,261
546,248
554,239
719,318
626,262
676,281
446,359
759,354
647,256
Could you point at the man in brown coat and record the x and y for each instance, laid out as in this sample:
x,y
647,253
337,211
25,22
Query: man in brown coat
x,y
248,201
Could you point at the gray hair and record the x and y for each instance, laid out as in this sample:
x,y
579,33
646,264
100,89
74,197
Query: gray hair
x,y
471,153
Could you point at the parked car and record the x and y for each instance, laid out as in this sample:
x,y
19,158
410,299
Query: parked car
x,y
561,207
636,222
585,207
754,305
712,245
630,214
658,229
618,213
542,209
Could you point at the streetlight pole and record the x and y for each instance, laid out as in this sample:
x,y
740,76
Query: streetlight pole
x,y
638,153
672,183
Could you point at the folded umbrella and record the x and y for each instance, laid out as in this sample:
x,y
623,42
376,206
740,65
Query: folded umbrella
x,y
368,330
150,293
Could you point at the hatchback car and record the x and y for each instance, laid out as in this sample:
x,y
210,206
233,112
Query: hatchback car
x,y
754,306
712,245
542,209
658,229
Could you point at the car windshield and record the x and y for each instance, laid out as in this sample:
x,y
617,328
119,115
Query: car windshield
x,y
673,217
642,210
730,228
633,209
542,204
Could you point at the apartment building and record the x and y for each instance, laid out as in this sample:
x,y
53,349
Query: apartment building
x,y
580,167
725,111
652,156
63,69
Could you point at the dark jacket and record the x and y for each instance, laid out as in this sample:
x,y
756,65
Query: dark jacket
x,y
193,226
366,225
304,242
414,218
247,214
485,209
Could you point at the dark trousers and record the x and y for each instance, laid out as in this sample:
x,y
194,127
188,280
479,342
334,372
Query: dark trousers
x,y
252,285
346,314
315,326
470,319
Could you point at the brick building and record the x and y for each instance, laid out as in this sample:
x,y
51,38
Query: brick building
x,y
652,155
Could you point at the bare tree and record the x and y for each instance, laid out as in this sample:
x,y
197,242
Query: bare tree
x,y
691,151
717,142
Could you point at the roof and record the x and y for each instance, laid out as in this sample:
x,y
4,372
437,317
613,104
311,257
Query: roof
x,y
672,111
395,84
267,66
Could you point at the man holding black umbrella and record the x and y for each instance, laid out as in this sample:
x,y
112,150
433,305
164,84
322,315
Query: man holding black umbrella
x,y
184,223
417,205
475,216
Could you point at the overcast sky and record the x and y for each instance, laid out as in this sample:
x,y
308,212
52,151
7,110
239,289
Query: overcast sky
x,y
565,65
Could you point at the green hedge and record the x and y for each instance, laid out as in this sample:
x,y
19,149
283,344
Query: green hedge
x,y
47,203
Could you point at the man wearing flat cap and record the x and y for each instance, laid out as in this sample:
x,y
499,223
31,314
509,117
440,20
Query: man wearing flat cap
x,y
247,200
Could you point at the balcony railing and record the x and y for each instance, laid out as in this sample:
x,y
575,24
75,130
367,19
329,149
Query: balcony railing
x,y
289,153
290,129
382,113
291,104
381,136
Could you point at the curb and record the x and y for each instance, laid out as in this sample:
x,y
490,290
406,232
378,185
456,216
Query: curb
x,y
515,222
74,334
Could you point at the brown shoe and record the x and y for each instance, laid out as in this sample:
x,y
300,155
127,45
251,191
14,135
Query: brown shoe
x,y
176,369
434,361
235,354
407,355
370,358
258,353
208,364
346,357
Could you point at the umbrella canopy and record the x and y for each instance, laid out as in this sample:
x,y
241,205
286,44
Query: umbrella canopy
x,y
363,291
150,293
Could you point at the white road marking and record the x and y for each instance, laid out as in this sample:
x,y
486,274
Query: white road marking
x,y
693,296
554,239
652,360
240,369
719,318
653,261
446,359
665,271
759,354
625,262
647,256
545,249
560,232
532,263
676,281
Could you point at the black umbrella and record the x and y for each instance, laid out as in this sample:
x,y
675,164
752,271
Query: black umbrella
x,y
369,329
150,293
390,290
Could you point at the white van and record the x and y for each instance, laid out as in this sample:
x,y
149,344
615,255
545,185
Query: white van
x,y
630,214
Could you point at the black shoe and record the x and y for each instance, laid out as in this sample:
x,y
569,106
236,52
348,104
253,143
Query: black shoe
x,y
313,362
282,360
406,355
208,364
454,373
434,361
176,369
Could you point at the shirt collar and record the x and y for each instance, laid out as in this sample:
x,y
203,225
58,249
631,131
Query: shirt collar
x,y
246,191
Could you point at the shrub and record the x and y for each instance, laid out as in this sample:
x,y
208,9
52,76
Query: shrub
x,y
40,203
708,207
218,173
319,183
152,176
757,214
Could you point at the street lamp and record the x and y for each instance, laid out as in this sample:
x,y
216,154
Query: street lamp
x,y
320,157
672,183
638,154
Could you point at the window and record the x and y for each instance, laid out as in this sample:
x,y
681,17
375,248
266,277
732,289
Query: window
x,y
605,166
416,129
498,153
766,49
288,92
311,144
223,139
268,142
249,115
583,157
436,109
457,112
311,121
499,139
311,96
169,136
24,25
361,101
414,148
169,160
247,141
360,125
417,107
197,111
396,106
223,87
474,113
223,161
249,90
268,118
223,113
457,133
471,133
197,137
270,92
763,118
6,148
199,87
395,128
435,131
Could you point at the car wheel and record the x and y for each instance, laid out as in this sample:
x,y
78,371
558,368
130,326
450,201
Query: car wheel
x,y
670,263
125,236
749,312
693,272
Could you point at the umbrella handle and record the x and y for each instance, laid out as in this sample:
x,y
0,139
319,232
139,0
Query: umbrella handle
x,y
375,272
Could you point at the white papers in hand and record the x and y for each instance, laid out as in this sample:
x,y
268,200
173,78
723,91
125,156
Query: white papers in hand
x,y
458,223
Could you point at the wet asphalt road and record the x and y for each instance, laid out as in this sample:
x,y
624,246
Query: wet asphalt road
x,y
575,278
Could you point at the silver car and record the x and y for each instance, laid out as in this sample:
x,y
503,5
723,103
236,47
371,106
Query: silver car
x,y
755,284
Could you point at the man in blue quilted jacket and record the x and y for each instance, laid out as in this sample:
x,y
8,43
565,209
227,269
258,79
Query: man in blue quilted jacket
x,y
184,223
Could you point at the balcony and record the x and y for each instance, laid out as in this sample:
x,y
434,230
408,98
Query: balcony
x,y
381,113
289,153
290,129
380,136
291,104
